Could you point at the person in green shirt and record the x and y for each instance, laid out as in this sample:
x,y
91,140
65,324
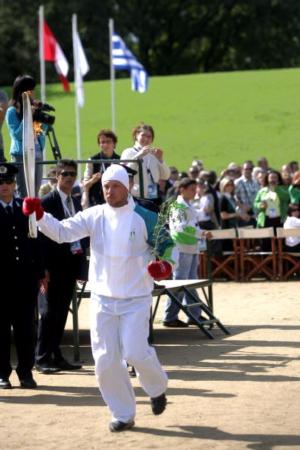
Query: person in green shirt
x,y
294,188
271,202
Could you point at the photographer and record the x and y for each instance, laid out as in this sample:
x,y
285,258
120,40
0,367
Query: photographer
x,y
154,167
14,120
3,108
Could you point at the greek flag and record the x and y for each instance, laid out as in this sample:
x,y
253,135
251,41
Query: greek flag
x,y
123,59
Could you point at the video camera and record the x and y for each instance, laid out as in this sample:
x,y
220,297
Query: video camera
x,y
40,112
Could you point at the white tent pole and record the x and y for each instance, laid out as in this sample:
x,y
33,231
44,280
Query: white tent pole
x,y
41,54
112,76
76,68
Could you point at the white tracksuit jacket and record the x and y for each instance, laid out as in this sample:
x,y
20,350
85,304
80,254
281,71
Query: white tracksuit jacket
x,y
119,249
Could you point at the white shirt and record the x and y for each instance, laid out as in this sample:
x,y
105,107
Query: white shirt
x,y
64,198
159,170
292,222
119,249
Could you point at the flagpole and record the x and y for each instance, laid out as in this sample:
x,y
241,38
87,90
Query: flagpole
x,y
112,75
76,68
41,54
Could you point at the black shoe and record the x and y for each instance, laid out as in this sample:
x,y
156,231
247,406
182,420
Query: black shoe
x,y
193,322
5,383
120,426
175,324
63,364
28,383
158,404
47,368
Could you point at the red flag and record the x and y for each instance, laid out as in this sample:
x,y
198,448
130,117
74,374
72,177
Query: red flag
x,y
54,53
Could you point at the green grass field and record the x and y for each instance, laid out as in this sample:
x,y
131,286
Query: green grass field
x,y
218,118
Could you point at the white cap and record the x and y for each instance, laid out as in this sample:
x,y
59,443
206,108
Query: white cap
x,y
115,172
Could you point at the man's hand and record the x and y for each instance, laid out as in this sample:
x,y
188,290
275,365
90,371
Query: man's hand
x,y
87,184
263,205
158,153
207,235
31,205
144,151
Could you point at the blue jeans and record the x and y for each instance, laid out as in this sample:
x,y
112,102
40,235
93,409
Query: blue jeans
x,y
186,270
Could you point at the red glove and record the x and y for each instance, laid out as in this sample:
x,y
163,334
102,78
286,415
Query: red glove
x,y
31,205
160,269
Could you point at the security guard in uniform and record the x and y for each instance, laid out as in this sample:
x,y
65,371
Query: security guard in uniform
x,y
19,279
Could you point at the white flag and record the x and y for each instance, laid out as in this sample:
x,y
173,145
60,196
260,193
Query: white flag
x,y
81,67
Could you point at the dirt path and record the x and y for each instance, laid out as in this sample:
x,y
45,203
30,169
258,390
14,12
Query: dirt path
x,y
237,392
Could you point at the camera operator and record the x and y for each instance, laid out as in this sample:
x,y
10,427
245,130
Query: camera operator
x,y
14,120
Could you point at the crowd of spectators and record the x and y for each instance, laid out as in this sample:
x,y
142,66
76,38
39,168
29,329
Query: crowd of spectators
x,y
242,195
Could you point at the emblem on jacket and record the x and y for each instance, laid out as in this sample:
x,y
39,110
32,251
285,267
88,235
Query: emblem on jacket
x,y
132,235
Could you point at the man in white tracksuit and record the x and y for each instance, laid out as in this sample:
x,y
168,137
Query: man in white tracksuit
x,y
121,287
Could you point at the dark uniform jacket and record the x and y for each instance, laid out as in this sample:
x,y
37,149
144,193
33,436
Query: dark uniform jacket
x,y
22,255
59,256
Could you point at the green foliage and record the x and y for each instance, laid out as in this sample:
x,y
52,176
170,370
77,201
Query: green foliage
x,y
218,118
167,36
161,232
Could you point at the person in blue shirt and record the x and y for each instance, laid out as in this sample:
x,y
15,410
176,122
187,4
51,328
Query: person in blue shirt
x,y
14,120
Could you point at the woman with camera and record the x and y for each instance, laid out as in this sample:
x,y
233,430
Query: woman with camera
x,y
154,167
14,120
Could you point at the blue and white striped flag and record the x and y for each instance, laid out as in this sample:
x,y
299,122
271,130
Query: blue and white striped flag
x,y
123,59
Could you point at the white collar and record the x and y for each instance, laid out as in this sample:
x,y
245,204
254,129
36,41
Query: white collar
x,y
63,195
6,204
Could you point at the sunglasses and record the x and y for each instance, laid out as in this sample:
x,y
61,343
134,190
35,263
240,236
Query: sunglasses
x,y
7,181
68,173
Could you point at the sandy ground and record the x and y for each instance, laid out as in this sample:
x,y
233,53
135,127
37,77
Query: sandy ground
x,y
239,391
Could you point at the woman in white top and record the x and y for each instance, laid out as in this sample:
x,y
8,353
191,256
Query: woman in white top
x,y
154,167
204,205
293,221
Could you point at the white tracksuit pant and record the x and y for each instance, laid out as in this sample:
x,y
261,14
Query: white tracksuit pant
x,y
119,334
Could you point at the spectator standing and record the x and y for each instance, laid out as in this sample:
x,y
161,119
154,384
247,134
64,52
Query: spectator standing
x,y
203,203
246,189
294,166
154,167
51,183
20,276
233,171
263,163
293,221
64,264
194,172
121,237
3,108
229,210
294,189
92,187
270,202
14,120
185,233
172,183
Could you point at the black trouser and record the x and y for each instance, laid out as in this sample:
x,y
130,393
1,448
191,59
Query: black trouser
x,y
53,315
17,311
274,222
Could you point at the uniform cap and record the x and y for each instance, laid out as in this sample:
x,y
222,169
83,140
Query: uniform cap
x,y
7,171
